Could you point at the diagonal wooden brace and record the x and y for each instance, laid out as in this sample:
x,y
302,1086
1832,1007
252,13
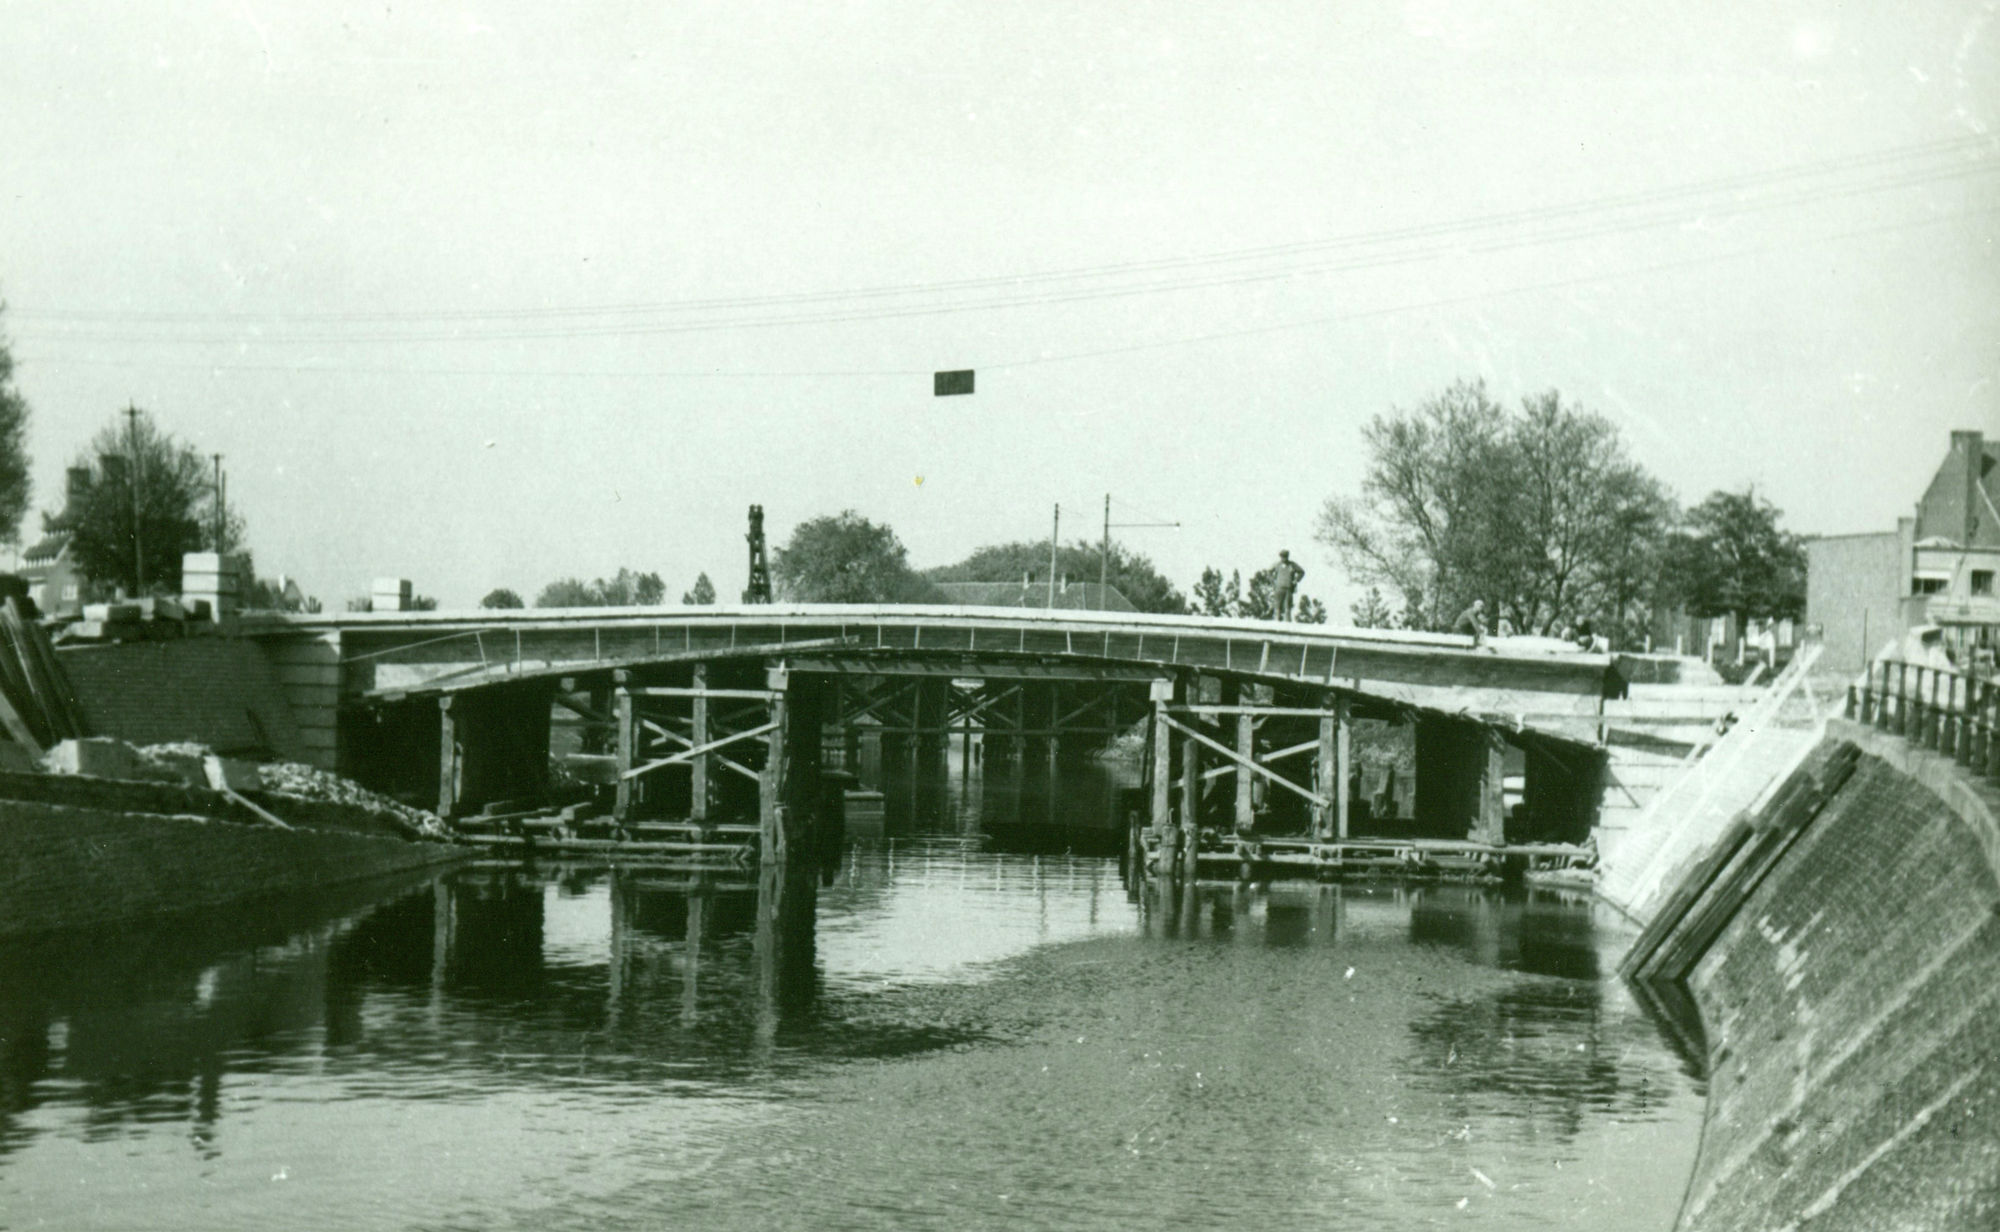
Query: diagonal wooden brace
x,y
1246,763
702,750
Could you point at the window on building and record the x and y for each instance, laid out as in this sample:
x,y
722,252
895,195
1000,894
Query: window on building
x,y
1982,581
1927,586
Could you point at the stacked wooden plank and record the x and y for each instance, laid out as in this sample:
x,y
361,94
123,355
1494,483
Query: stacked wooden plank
x,y
38,707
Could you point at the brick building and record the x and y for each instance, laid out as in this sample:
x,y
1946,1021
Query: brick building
x,y
1936,567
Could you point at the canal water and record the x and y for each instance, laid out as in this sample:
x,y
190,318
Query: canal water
x,y
970,1037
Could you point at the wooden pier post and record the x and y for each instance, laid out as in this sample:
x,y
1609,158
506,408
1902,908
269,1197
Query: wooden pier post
x,y
771,779
1246,748
447,794
1191,798
1343,760
1490,826
1162,819
628,738
1325,779
698,792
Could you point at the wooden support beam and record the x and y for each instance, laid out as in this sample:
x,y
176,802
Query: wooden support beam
x,y
1262,712
1293,750
1162,818
674,737
1250,765
763,695
698,792
1327,780
771,784
1490,825
1343,767
583,709
1190,802
447,797
1246,753
628,741
700,750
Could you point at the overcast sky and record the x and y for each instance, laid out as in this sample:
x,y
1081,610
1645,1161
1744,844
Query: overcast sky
x,y
483,294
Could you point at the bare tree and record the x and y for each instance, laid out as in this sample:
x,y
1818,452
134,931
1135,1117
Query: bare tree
x,y
1539,512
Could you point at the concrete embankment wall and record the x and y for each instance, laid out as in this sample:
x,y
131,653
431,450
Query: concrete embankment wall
x,y
69,867
1851,1003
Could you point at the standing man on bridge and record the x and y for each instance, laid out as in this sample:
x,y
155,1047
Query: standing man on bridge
x,y
1285,577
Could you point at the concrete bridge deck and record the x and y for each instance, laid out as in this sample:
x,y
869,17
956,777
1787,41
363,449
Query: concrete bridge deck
x,y
326,660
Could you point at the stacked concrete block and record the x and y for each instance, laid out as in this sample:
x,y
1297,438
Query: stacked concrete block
x,y
215,580
390,595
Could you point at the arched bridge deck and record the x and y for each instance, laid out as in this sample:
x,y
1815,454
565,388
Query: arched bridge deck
x,y
726,718
325,660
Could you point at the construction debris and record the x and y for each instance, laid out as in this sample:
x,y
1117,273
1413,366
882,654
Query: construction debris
x,y
38,708
292,779
196,765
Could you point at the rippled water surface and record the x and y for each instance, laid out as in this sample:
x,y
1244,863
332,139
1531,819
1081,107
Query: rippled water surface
x,y
967,1039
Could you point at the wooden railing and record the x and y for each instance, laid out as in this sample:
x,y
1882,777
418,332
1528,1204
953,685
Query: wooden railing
x,y
1954,714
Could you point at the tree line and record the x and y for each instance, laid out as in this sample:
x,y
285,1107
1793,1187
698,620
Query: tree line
x,y
1539,511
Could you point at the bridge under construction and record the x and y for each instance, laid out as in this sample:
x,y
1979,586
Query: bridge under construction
x,y
728,735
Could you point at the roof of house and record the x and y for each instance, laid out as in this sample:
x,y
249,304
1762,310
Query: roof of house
x,y
1075,596
47,549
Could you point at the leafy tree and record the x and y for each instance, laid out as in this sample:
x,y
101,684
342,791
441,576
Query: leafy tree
x,y
13,451
1214,597
1422,519
847,559
567,592
701,594
1584,522
1083,561
501,597
1538,511
623,589
169,485
1732,558
1370,612
422,603
1260,601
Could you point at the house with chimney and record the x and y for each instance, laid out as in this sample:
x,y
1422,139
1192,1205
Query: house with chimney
x,y
55,582
1937,568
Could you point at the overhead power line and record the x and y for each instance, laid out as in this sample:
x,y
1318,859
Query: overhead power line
x,y
1629,272
1929,164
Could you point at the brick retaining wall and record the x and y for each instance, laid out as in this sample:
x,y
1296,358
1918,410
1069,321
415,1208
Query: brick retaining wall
x,y
64,867
1852,1011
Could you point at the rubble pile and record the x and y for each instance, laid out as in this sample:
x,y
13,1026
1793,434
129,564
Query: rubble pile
x,y
186,762
293,779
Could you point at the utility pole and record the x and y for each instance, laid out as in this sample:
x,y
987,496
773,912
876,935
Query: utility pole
x,y
138,541
1054,531
221,512
1104,557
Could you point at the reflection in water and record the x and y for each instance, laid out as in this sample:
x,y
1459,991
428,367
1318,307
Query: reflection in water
x,y
941,1032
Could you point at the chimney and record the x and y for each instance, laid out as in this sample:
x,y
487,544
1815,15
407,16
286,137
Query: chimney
x,y
76,489
112,467
1970,448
